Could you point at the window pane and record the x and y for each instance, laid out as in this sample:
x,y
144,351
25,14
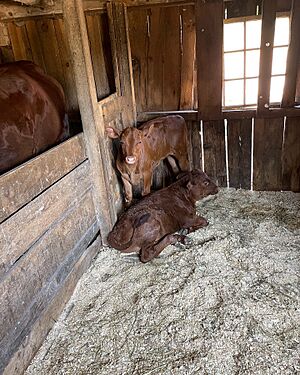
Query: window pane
x,y
234,65
282,31
233,36
279,60
277,84
253,34
251,91
234,93
252,63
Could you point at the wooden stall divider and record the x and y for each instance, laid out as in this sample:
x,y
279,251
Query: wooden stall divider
x,y
92,119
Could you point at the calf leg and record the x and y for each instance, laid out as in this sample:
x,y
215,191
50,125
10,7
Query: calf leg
x,y
127,191
147,182
151,251
173,164
197,223
183,162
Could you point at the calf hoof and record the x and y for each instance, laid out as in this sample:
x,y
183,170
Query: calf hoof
x,y
179,238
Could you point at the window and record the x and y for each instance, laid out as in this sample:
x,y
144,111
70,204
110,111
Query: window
x,y
241,60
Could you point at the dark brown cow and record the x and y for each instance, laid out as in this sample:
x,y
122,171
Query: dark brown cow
x,y
32,113
149,225
142,150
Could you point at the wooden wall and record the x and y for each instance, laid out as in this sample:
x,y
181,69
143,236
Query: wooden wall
x,y
48,222
162,43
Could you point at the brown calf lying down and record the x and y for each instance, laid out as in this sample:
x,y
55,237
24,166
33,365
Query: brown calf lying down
x,y
149,225
32,113
142,150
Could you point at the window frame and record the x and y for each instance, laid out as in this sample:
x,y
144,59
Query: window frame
x,y
245,106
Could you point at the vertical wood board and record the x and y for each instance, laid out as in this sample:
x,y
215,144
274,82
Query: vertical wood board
x,y
267,168
291,155
214,151
209,52
239,153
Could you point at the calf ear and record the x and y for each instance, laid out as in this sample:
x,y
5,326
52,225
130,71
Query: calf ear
x,y
112,132
147,131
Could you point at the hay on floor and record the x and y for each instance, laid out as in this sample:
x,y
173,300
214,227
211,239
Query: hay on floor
x,y
228,302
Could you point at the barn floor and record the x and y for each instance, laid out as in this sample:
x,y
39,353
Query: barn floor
x,y
227,303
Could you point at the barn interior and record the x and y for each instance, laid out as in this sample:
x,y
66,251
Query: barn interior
x,y
232,70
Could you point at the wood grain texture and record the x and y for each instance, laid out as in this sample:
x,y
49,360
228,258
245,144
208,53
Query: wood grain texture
x,y
291,155
28,225
214,151
24,183
267,167
36,268
266,55
138,35
209,52
188,51
97,54
44,318
293,58
239,153
171,58
155,59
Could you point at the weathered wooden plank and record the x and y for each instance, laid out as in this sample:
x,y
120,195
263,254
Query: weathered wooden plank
x,y
195,144
155,60
209,51
91,115
188,50
291,155
241,8
95,38
66,64
267,168
138,35
35,43
239,153
19,41
37,267
23,183
266,55
118,21
44,320
51,55
293,58
29,224
214,151
171,58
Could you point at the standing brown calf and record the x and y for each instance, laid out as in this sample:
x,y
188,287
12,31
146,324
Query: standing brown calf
x,y
142,150
149,225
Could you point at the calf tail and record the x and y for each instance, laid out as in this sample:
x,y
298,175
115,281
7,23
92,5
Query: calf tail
x,y
122,229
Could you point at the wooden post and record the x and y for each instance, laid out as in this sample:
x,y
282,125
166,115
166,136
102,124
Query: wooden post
x,y
209,50
91,115
293,58
266,54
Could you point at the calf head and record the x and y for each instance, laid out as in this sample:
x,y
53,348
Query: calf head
x,y
199,185
131,141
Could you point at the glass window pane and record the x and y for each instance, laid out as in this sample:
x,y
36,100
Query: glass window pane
x,y
253,34
277,84
233,36
279,60
234,65
282,31
234,93
252,63
251,91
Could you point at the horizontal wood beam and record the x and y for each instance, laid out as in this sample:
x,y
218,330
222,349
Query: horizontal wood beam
x,y
232,114
24,183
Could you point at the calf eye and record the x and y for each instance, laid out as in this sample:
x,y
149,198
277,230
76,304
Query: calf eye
x,y
205,183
